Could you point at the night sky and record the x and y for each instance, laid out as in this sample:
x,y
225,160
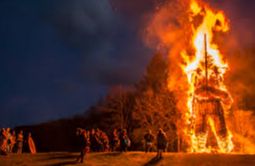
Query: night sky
x,y
58,57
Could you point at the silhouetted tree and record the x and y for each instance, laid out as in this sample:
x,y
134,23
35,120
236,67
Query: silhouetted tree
x,y
117,107
148,105
155,105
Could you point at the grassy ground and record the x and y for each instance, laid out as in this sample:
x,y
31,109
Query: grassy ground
x,y
128,159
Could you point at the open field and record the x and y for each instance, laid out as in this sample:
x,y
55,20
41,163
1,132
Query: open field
x,y
126,159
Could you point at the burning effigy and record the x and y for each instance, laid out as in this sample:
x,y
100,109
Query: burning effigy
x,y
208,97
197,71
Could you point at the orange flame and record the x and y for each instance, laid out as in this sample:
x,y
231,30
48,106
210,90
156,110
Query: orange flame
x,y
211,23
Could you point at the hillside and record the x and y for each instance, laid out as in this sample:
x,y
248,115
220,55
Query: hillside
x,y
126,159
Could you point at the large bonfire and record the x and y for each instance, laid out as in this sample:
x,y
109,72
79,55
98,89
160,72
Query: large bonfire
x,y
207,96
200,49
189,31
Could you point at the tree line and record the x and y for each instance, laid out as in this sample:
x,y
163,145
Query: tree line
x,y
148,104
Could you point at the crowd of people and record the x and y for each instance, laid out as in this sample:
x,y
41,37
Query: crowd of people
x,y
96,140
12,142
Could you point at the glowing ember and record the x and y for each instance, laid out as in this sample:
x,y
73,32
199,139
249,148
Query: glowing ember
x,y
208,97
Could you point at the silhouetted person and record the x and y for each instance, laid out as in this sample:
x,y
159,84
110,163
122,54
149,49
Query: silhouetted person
x,y
115,142
3,142
92,140
105,141
124,140
20,138
161,142
96,143
8,137
13,141
31,144
99,143
84,144
149,138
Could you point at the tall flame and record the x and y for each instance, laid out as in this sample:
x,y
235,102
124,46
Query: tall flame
x,y
198,69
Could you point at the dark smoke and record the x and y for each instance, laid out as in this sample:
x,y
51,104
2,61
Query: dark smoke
x,y
239,49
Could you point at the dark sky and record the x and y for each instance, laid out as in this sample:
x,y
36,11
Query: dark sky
x,y
58,57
